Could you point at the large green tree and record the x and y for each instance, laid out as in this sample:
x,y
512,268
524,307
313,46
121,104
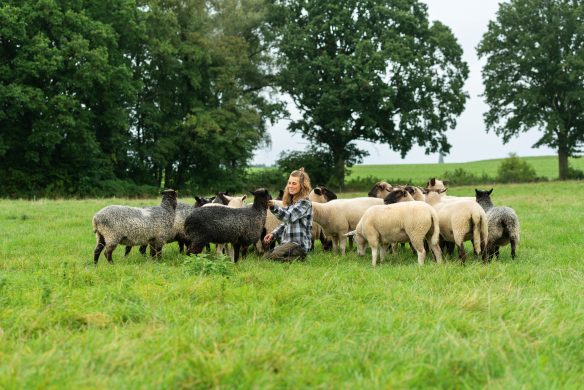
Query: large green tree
x,y
534,74
59,88
370,70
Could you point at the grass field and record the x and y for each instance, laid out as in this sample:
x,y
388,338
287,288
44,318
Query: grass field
x,y
545,166
329,322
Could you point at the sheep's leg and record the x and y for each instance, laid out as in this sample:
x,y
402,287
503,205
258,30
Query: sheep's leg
x,y
373,254
343,245
235,252
497,252
382,250
219,249
418,245
143,250
461,251
181,246
513,243
98,247
335,240
109,248
127,252
350,244
436,250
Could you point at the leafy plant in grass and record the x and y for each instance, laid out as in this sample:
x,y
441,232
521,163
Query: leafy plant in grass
x,y
205,264
515,170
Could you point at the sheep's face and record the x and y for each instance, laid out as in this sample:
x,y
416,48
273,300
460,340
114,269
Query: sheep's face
x,y
321,194
482,196
199,202
396,196
361,244
261,194
170,196
435,184
380,190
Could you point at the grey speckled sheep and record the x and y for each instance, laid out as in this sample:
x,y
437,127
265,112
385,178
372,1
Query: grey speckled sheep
x,y
239,227
135,226
503,225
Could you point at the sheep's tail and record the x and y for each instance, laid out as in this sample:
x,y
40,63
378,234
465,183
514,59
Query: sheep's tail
x,y
436,233
94,224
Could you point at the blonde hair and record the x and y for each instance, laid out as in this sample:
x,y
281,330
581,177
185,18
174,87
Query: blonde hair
x,y
305,188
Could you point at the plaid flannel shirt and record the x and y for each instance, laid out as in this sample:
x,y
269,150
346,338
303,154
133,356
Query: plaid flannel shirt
x,y
297,223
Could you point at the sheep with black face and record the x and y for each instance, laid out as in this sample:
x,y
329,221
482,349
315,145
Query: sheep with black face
x,y
240,227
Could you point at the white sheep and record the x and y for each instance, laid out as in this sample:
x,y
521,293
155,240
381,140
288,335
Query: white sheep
x,y
340,216
411,222
460,221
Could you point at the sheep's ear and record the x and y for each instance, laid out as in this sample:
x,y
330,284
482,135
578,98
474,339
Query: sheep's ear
x,y
476,192
425,191
243,197
446,182
197,199
228,198
317,191
251,192
490,191
433,181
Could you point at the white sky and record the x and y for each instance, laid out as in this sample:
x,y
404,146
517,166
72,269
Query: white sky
x,y
468,20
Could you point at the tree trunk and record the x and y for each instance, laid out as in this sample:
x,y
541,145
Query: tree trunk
x,y
563,162
339,168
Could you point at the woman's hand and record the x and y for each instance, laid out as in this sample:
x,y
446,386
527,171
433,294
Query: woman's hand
x,y
268,238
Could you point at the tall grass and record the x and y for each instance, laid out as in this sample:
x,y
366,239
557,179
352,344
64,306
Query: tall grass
x,y
328,322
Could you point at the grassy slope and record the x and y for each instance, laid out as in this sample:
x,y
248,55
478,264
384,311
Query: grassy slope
x,y
327,322
546,166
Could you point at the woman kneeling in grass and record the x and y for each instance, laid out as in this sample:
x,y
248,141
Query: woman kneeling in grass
x,y
296,216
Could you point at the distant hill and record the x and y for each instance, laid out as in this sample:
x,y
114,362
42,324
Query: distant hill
x,y
545,166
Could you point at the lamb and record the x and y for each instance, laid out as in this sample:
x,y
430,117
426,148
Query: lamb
x,y
381,226
460,221
380,190
240,227
503,225
134,226
339,216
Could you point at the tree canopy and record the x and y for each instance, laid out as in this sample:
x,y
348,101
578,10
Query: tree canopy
x,y
534,73
370,70
154,92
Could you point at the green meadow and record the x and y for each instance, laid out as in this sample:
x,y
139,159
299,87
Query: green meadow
x,y
545,166
327,322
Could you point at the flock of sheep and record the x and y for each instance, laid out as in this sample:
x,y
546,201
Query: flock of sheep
x,y
427,218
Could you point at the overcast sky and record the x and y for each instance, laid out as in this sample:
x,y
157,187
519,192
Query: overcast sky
x,y
468,20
